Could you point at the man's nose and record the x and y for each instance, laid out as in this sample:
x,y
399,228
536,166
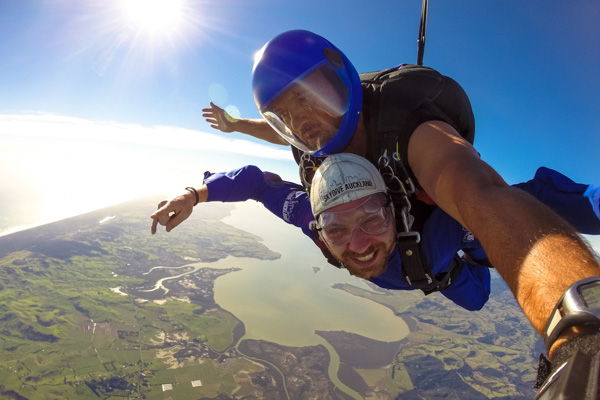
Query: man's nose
x,y
295,119
359,241
300,110
292,122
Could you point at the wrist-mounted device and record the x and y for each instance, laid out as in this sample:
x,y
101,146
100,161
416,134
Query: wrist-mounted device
x,y
578,306
574,371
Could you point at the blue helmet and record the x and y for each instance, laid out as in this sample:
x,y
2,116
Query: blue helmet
x,y
308,91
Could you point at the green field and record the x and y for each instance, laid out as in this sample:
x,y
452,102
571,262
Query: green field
x,y
65,334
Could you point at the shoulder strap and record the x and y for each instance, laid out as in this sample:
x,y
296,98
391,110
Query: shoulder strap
x,y
417,271
307,166
402,189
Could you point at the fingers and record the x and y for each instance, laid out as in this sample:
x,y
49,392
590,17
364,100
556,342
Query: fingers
x,y
171,213
213,108
218,118
160,216
159,209
177,219
163,218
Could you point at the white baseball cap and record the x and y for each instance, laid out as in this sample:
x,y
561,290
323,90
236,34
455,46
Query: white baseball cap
x,y
342,178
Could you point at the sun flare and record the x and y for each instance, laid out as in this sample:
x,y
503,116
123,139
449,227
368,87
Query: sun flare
x,y
154,16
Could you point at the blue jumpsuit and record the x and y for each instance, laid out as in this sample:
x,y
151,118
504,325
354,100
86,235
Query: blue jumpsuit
x,y
442,236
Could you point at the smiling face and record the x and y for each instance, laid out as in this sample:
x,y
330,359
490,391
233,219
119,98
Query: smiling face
x,y
309,112
353,239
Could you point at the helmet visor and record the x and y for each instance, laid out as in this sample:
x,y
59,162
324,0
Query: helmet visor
x,y
308,113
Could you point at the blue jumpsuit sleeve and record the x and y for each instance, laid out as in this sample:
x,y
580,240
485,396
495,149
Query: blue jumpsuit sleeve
x,y
572,201
577,203
471,288
442,238
286,200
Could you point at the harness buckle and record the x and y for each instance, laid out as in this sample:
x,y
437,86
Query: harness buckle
x,y
429,279
406,236
307,166
427,276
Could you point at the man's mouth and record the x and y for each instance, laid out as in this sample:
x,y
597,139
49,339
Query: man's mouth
x,y
366,257
366,264
309,130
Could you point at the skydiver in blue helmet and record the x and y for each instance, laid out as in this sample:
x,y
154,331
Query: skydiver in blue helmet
x,y
417,126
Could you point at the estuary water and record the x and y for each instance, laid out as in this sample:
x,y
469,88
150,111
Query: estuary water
x,y
285,300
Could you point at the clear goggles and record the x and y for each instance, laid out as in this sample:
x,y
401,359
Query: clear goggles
x,y
309,112
373,216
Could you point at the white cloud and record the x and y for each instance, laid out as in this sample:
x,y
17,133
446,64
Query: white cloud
x,y
77,130
53,166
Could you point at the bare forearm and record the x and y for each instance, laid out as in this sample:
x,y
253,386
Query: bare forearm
x,y
259,128
537,253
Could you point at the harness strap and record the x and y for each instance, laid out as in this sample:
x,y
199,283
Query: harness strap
x,y
307,166
477,261
401,188
445,279
416,272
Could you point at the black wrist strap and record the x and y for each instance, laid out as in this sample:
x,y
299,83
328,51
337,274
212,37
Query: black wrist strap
x,y
191,189
587,344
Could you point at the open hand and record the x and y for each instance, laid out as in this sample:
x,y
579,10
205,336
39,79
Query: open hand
x,y
218,118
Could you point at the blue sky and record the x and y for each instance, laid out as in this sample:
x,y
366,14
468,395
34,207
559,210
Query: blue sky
x,y
131,101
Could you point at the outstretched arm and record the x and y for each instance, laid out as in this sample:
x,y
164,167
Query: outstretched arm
x,y
536,252
286,200
259,128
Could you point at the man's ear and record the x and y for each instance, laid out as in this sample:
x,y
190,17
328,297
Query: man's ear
x,y
313,226
330,258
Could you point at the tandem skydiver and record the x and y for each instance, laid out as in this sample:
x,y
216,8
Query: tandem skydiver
x,y
455,260
370,250
417,126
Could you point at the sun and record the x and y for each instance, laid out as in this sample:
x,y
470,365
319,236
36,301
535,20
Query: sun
x,y
135,36
154,17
